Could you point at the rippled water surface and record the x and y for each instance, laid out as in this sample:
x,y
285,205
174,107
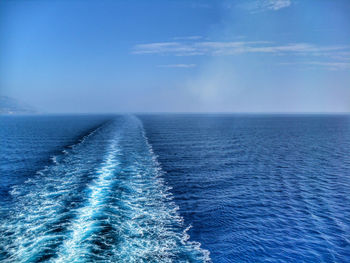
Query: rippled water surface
x,y
260,188
175,188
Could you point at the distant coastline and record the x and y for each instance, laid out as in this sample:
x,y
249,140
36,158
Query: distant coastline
x,y
11,106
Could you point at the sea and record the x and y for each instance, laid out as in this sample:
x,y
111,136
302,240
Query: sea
x,y
175,188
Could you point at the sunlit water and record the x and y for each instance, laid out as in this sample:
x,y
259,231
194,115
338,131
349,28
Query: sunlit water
x,y
175,188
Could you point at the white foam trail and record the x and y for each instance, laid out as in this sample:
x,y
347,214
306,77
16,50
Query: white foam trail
x,y
73,248
42,211
185,236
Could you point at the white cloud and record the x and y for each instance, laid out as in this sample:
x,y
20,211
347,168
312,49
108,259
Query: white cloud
x,y
178,66
164,48
277,4
338,56
191,48
257,6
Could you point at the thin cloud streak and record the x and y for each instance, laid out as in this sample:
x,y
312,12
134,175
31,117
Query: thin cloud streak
x,y
232,48
178,66
163,47
330,65
188,38
338,56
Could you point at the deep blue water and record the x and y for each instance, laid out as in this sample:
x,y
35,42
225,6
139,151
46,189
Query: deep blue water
x,y
175,188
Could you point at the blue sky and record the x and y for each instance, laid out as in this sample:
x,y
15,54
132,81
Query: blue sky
x,y
177,56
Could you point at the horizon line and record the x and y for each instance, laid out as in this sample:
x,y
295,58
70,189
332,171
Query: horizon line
x,y
180,113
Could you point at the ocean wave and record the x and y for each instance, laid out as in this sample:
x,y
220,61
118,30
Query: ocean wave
x,y
103,200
